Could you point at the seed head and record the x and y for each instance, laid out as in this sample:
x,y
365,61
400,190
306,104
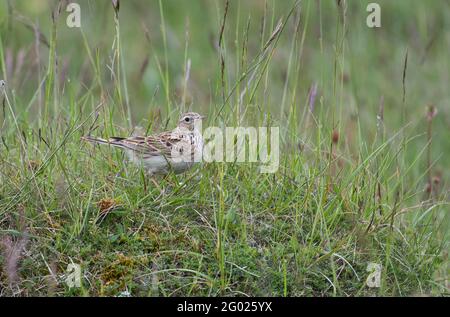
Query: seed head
x,y
335,137
431,112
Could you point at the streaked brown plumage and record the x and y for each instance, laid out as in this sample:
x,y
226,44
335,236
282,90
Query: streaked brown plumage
x,y
161,153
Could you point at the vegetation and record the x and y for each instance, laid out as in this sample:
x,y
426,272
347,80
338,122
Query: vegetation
x,y
364,119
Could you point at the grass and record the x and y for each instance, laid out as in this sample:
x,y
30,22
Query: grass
x,y
364,167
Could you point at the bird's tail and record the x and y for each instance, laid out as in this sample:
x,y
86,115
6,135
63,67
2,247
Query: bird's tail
x,y
114,141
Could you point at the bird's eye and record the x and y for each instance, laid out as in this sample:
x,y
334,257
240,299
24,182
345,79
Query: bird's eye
x,y
187,119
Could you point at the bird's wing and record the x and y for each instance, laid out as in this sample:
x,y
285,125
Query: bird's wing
x,y
153,145
163,142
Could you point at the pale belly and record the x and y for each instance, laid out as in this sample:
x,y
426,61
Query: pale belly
x,y
159,164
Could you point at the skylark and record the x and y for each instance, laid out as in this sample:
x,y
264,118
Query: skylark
x,y
175,150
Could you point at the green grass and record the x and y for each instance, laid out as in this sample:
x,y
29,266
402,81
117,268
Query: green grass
x,y
352,184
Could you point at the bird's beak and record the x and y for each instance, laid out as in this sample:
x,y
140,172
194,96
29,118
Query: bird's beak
x,y
202,117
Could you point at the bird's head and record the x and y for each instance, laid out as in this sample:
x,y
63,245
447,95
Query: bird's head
x,y
190,120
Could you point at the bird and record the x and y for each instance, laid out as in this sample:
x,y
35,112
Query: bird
x,y
159,154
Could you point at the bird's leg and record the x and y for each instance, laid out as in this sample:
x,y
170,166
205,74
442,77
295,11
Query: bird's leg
x,y
153,180
166,177
155,183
